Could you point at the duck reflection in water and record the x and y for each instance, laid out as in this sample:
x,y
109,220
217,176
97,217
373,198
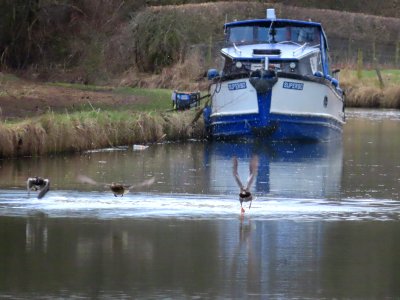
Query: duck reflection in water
x,y
38,184
117,188
245,194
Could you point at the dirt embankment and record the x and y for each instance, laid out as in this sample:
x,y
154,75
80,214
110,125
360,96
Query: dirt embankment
x,y
24,99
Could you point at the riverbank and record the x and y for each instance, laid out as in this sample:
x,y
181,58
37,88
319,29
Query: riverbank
x,y
54,133
42,118
364,89
46,118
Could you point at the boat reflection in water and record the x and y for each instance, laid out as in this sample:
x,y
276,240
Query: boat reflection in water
x,y
300,170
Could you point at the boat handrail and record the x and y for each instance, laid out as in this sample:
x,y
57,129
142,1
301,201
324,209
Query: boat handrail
x,y
300,48
289,42
237,49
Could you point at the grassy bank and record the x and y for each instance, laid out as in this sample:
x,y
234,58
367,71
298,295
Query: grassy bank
x,y
45,118
156,99
114,116
364,89
56,133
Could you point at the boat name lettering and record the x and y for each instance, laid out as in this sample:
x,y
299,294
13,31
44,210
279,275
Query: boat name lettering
x,y
237,86
293,85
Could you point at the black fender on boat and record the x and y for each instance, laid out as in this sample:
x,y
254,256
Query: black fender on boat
x,y
263,81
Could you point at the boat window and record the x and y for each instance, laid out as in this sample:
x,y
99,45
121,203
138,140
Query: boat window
x,y
275,34
315,63
242,34
297,34
308,65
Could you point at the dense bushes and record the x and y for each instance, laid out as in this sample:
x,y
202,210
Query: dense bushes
x,y
17,23
94,41
163,36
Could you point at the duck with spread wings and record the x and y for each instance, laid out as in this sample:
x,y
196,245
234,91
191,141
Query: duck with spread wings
x,y
38,184
245,194
117,189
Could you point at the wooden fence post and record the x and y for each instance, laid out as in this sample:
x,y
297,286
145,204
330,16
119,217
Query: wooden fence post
x,y
374,60
378,73
209,52
359,63
349,53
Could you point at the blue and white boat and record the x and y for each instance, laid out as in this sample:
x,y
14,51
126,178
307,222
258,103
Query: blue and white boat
x,y
276,83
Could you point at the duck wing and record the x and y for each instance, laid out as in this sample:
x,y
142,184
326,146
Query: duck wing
x,y
29,184
85,179
253,166
44,189
235,172
143,183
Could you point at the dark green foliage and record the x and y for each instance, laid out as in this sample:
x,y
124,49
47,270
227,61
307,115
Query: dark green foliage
x,y
372,7
17,24
108,37
158,39
163,36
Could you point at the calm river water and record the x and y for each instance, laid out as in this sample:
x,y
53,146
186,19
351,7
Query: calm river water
x,y
325,223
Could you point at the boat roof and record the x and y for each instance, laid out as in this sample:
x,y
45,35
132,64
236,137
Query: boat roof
x,y
279,22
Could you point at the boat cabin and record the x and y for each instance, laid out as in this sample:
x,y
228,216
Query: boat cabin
x,y
286,46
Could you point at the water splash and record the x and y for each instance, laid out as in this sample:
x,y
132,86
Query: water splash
x,y
193,206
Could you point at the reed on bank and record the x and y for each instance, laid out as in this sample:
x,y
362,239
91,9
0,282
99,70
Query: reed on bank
x,y
364,89
146,121
80,131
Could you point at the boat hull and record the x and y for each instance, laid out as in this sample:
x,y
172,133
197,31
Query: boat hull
x,y
293,108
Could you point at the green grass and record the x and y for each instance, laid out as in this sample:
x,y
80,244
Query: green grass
x,y
158,99
389,76
83,87
8,77
394,75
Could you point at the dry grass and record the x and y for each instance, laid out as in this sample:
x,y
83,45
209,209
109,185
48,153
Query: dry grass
x,y
184,75
373,97
53,133
391,97
364,97
365,92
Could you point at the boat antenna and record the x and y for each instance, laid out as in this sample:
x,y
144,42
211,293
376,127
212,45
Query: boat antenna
x,y
271,16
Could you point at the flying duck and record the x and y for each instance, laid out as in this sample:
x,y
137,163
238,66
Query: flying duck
x,y
38,184
116,188
245,194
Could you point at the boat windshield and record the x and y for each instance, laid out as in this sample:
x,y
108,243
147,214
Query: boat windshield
x,y
257,34
308,65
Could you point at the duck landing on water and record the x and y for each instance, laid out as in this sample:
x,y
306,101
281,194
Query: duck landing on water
x,y
38,184
117,188
245,194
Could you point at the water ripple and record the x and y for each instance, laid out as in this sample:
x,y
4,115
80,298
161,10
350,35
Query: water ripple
x,y
149,205
373,114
